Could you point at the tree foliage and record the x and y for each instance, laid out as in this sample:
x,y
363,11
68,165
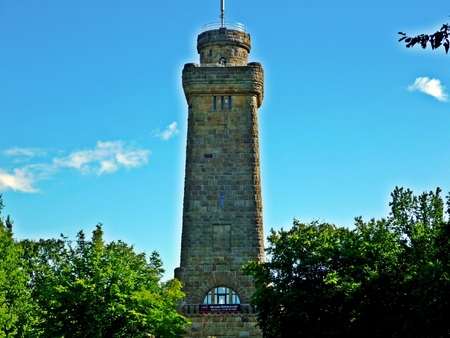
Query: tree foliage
x,y
84,288
388,277
16,305
88,288
436,40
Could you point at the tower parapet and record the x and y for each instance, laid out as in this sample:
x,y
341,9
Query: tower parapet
x,y
230,44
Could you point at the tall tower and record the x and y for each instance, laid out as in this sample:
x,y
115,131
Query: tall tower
x,y
222,209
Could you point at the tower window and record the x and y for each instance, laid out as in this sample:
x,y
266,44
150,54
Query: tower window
x,y
229,102
215,102
222,199
222,102
235,52
210,52
221,295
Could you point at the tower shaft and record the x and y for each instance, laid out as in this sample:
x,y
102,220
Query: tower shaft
x,y
222,208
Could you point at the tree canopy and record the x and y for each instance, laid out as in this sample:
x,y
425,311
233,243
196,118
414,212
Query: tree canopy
x,y
388,277
84,288
436,40
16,306
88,288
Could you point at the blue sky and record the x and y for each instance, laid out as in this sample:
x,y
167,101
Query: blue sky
x,y
93,117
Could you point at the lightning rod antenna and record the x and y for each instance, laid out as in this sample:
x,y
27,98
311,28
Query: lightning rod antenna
x,y
222,15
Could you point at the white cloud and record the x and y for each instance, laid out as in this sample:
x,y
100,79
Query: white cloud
x,y
171,130
23,179
106,157
107,167
19,180
132,158
431,87
30,152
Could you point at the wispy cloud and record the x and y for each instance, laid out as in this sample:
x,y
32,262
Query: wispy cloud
x,y
170,131
105,157
24,178
431,87
30,152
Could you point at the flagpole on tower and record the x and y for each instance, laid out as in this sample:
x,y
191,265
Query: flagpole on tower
x,y
222,15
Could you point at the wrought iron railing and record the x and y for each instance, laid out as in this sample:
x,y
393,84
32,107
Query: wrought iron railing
x,y
230,25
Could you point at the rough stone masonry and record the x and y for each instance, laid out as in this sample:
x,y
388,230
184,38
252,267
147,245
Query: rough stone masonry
x,y
222,209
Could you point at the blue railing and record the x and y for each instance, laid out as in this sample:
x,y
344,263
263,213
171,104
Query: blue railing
x,y
230,25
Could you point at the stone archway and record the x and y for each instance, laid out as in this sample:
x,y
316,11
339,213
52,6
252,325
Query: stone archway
x,y
222,278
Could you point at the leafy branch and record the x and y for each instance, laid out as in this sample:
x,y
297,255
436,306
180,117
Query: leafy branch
x,y
440,38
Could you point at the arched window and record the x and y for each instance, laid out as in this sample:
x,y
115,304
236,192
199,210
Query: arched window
x,y
221,295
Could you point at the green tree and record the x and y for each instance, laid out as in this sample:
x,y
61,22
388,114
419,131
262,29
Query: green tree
x,y
425,243
300,290
436,40
387,277
16,307
88,288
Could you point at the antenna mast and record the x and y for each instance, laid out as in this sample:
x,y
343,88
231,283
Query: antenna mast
x,y
222,15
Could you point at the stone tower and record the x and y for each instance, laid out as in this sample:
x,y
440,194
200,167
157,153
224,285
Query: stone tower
x,y
222,209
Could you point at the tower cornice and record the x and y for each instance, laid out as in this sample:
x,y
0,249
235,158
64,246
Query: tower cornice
x,y
247,80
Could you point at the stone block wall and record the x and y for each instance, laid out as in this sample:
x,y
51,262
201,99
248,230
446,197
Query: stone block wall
x,y
222,206
223,326
232,44
207,81
222,209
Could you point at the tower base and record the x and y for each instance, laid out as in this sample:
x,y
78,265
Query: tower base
x,y
222,326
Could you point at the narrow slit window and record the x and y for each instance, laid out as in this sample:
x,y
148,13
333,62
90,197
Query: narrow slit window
x,y
229,103
210,52
222,102
222,199
214,102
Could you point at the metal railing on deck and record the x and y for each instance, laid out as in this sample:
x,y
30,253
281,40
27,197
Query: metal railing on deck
x,y
228,64
230,25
